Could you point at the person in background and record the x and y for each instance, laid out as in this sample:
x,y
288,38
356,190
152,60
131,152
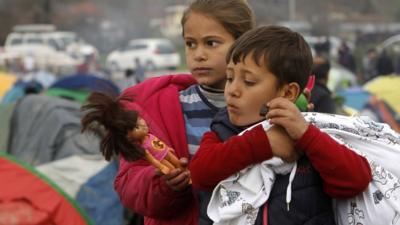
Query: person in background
x,y
384,65
346,58
139,71
321,96
370,65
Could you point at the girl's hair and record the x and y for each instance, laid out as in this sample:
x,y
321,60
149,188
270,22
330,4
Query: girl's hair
x,y
235,16
106,117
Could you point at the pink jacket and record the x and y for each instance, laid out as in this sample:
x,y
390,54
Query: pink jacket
x,y
139,188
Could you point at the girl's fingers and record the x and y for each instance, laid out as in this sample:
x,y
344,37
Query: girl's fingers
x,y
178,178
182,185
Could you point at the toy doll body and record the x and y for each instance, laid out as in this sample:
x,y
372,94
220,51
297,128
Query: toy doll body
x,y
155,146
156,151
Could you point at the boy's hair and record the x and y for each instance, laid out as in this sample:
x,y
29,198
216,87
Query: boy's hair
x,y
285,53
235,16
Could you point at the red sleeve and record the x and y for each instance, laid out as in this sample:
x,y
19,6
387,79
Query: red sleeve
x,y
215,160
344,172
142,191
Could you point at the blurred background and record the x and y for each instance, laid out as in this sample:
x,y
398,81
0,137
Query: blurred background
x,y
53,54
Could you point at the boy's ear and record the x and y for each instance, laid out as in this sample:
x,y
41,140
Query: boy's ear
x,y
291,91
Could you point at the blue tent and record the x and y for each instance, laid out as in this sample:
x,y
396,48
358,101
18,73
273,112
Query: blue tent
x,y
86,82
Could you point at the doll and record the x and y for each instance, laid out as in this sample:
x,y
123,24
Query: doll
x,y
125,133
157,152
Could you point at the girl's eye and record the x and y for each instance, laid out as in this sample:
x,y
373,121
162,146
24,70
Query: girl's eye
x,y
212,43
190,44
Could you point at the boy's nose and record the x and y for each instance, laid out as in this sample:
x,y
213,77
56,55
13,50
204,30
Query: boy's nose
x,y
233,90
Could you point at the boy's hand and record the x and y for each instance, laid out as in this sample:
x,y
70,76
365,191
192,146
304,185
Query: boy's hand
x,y
310,105
285,113
282,145
178,179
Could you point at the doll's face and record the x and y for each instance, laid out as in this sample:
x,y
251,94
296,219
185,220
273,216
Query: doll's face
x,y
140,131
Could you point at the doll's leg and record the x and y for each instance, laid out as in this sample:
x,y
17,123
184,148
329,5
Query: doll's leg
x,y
167,164
173,159
153,161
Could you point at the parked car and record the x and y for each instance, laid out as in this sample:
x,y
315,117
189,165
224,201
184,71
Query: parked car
x,y
50,48
152,53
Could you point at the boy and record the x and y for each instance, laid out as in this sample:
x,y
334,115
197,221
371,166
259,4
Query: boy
x,y
270,65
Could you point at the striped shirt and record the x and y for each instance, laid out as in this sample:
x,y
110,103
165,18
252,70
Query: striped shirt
x,y
199,105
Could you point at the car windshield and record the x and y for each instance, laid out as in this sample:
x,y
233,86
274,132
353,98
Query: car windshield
x,y
34,40
165,48
16,41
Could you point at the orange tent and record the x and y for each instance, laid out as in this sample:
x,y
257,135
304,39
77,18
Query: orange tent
x,y
6,82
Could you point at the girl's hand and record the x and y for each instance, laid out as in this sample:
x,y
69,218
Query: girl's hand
x,y
178,179
285,113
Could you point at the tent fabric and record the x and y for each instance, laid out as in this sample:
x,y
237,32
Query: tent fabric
x,y
75,95
6,82
43,77
24,189
367,104
355,97
387,88
72,172
45,129
86,82
99,199
20,89
6,112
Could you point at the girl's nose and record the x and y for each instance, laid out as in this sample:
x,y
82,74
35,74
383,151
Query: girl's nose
x,y
200,54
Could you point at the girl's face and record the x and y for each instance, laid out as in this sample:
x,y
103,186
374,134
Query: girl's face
x,y
206,44
248,87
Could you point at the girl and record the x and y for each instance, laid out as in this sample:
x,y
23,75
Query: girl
x,y
178,109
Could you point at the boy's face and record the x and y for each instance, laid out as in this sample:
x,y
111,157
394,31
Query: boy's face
x,y
206,44
249,86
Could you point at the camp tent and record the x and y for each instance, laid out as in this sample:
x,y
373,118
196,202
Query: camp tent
x,y
29,197
45,129
387,88
366,104
6,82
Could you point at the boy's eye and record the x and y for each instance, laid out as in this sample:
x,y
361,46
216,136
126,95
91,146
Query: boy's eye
x,y
249,82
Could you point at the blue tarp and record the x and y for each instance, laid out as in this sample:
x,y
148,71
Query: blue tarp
x,y
99,200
